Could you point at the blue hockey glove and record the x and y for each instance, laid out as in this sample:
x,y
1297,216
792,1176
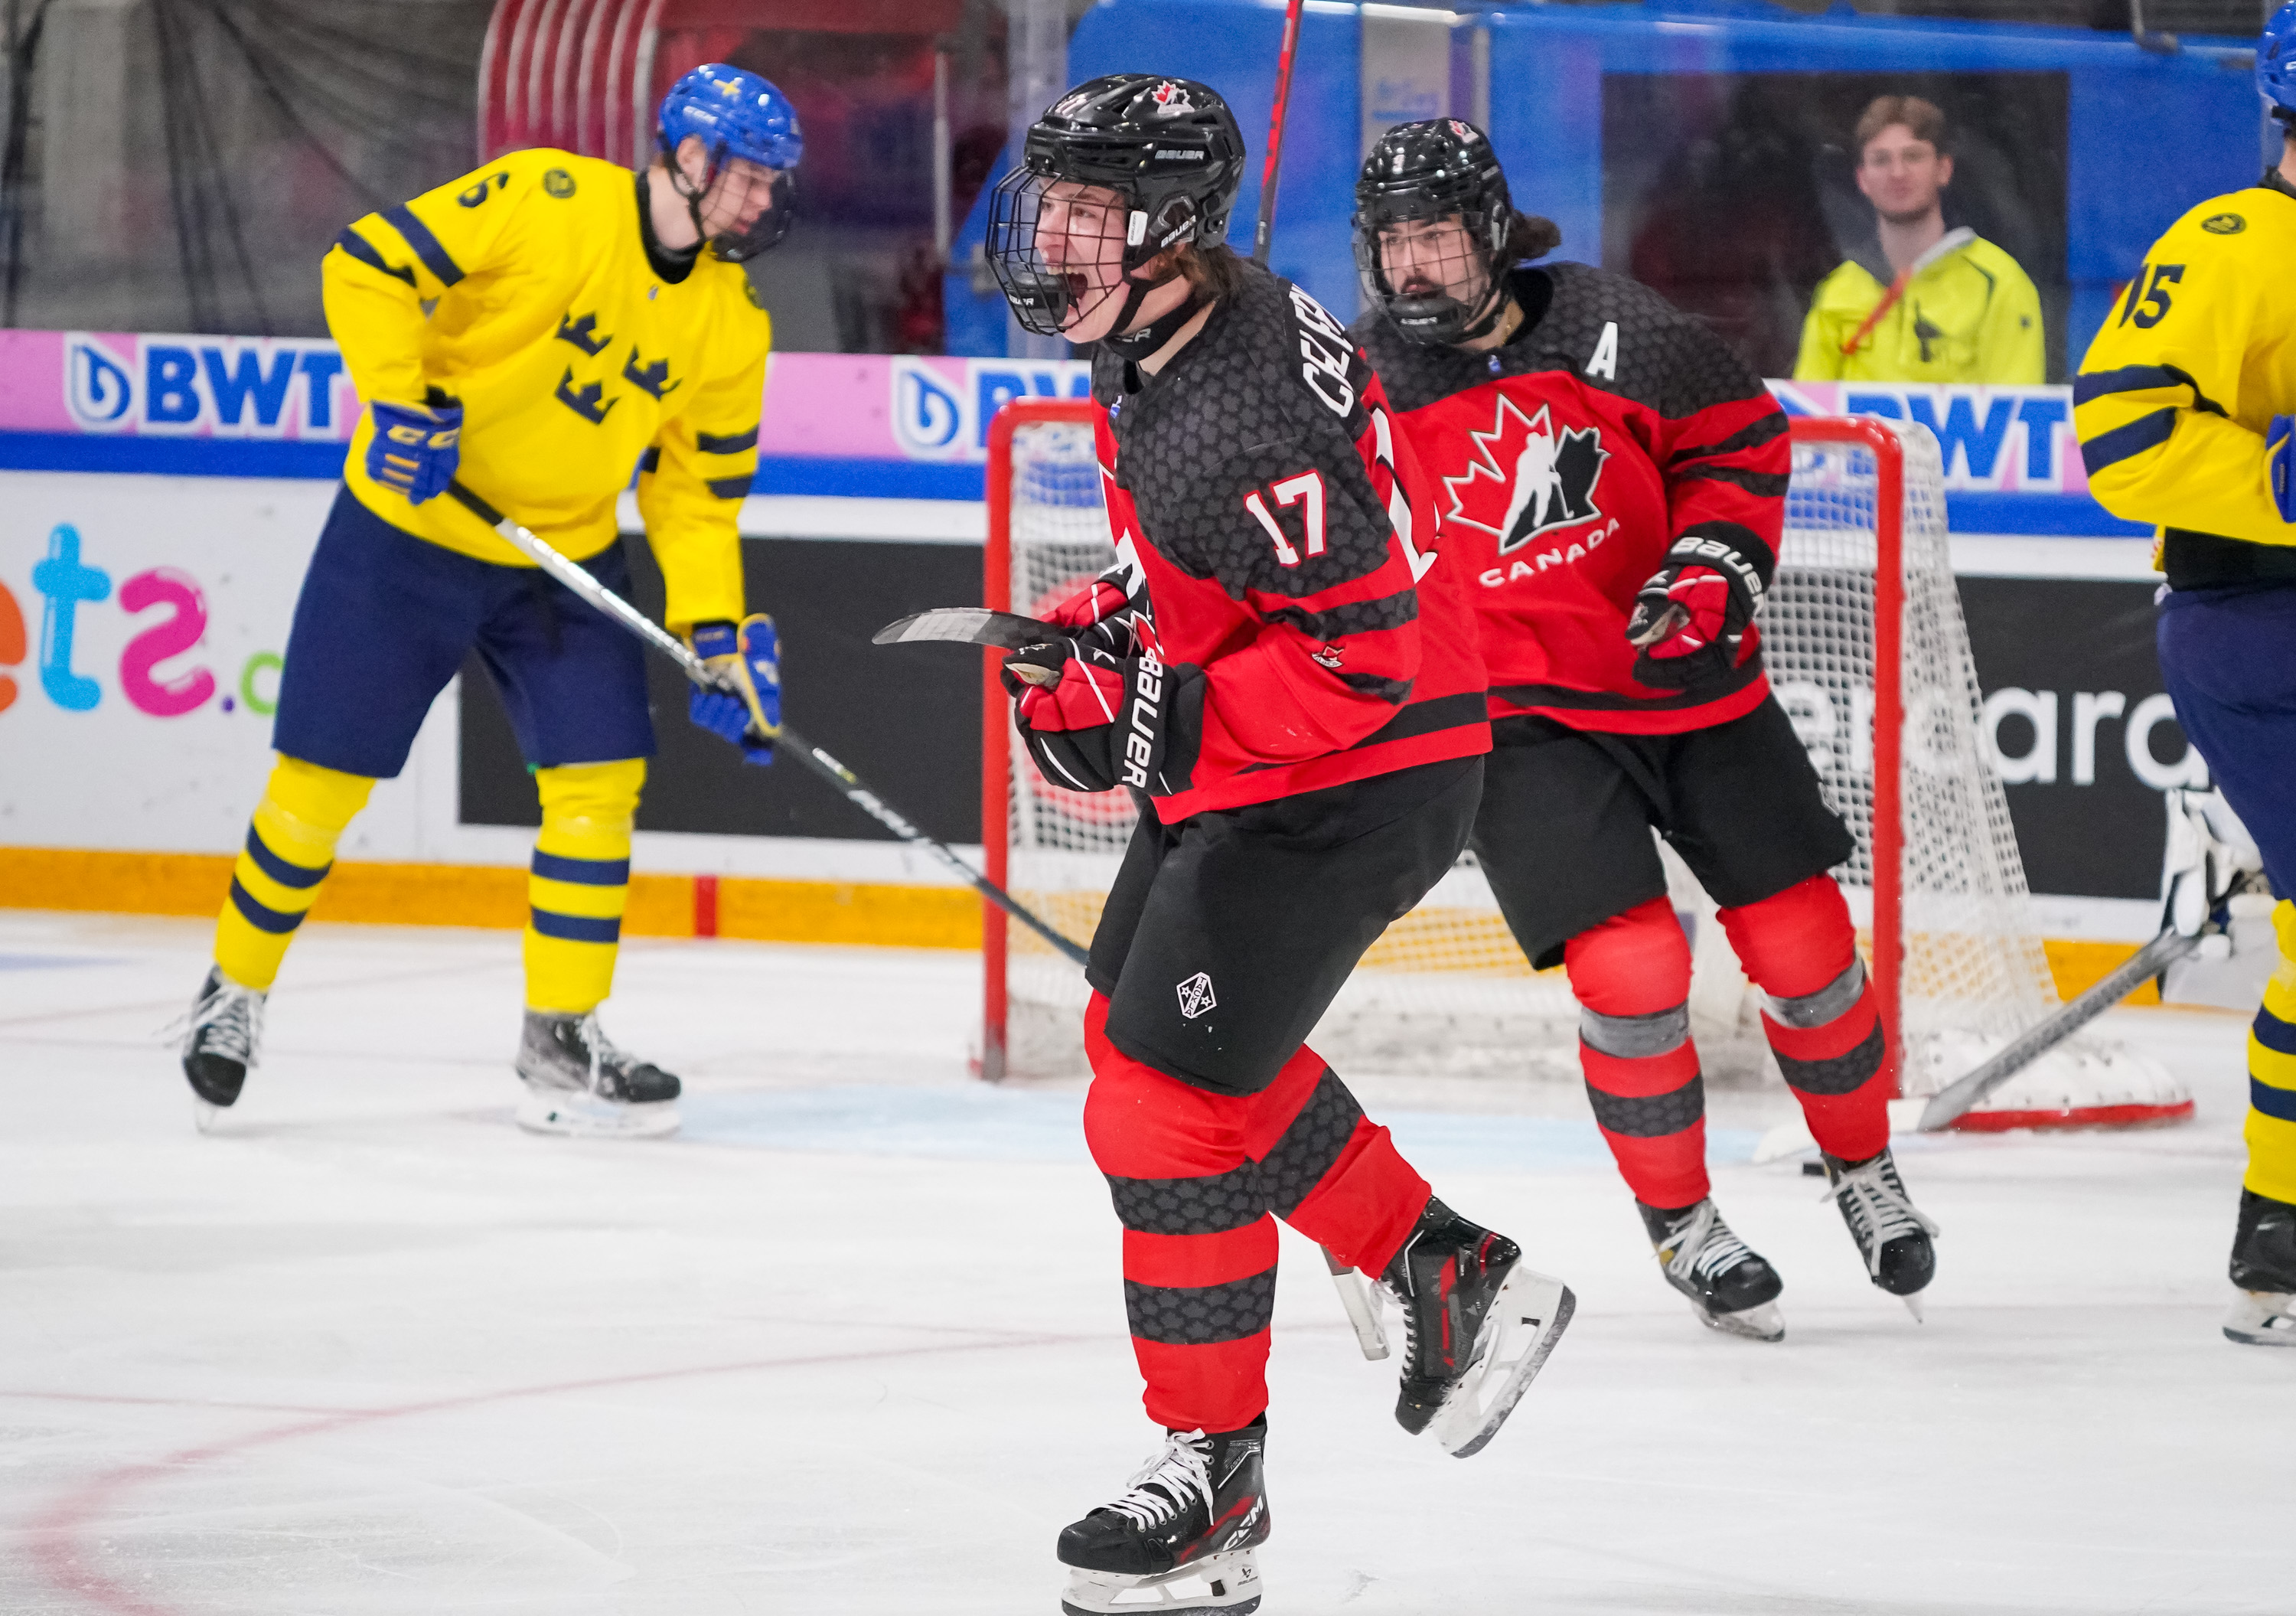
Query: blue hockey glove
x,y
747,710
2275,465
416,446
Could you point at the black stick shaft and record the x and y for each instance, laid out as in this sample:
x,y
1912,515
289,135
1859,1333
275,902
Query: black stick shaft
x,y
578,578
1263,234
2076,1013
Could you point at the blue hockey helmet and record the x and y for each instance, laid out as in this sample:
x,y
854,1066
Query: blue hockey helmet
x,y
735,114
2275,63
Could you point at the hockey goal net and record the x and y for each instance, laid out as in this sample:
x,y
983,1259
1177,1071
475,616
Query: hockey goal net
x,y
1868,652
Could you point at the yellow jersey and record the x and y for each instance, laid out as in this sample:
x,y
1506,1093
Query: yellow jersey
x,y
525,289
2194,360
1970,316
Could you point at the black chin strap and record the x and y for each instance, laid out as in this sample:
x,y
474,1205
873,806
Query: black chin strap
x,y
1137,345
1492,316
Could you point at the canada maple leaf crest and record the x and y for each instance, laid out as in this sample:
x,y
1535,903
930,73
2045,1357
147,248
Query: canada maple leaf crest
x,y
1526,478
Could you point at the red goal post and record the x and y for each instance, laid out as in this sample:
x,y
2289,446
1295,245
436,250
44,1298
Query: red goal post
x,y
1866,651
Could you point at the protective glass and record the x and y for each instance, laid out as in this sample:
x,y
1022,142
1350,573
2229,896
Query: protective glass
x,y
1059,248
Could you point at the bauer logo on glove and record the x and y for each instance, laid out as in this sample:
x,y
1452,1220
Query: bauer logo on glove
x,y
1094,720
1694,621
745,707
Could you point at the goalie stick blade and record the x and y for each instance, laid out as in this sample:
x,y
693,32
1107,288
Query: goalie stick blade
x,y
966,625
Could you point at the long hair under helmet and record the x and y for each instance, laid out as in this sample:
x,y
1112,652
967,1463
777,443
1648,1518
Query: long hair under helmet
x,y
1170,151
737,114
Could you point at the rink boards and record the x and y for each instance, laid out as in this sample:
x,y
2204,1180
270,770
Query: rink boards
x,y
158,523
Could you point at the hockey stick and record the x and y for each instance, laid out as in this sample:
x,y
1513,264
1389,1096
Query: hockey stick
x,y
1952,241
1263,233
842,779
2155,958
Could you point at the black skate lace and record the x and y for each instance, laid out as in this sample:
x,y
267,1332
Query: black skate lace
x,y
227,1022
1179,1471
1704,1245
1874,1199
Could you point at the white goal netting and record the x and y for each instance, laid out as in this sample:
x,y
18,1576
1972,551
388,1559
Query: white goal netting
x,y
1447,990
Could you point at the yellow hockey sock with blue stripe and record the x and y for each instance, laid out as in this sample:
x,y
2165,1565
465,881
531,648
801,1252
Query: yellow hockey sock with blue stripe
x,y
2271,1073
579,883
291,847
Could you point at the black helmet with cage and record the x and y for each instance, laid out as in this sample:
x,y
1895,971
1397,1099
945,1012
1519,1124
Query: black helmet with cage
x,y
1430,171
1168,149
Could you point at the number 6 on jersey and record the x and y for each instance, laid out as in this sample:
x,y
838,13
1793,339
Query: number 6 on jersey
x,y
1308,485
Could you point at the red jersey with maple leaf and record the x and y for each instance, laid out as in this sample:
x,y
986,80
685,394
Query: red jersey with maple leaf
x,y
1564,464
1268,508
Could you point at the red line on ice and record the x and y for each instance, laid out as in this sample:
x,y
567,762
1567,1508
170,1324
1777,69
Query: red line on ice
x,y
55,1534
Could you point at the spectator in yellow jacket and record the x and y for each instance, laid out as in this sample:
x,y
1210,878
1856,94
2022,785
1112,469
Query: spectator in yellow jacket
x,y
1937,305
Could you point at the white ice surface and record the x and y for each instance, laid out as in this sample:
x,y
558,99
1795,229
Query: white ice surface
x,y
854,1343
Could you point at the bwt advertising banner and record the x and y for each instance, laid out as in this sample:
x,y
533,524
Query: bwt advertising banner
x,y
143,618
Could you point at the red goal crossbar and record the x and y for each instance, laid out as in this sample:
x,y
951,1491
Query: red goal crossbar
x,y
1888,835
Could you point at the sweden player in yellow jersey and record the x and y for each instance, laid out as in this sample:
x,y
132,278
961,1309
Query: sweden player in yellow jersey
x,y
1929,304
2184,406
537,332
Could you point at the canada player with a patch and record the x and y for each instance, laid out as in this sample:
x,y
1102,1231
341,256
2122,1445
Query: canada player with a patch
x,y
534,332
1281,667
1615,479
2185,406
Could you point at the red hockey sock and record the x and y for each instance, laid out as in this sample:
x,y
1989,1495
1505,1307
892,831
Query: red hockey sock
x,y
1631,975
1821,1014
1194,1176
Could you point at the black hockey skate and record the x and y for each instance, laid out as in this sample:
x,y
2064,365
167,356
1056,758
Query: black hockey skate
x,y
223,1037
1477,1326
1730,1288
1892,1236
2264,1268
1180,1539
577,1082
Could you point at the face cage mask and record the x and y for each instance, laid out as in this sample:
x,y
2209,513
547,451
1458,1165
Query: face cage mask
x,y
766,231
1048,300
1436,318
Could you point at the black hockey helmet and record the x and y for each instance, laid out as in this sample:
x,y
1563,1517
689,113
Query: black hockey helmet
x,y
1432,171
1169,147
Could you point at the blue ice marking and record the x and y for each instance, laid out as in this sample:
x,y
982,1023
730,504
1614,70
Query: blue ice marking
x,y
984,1124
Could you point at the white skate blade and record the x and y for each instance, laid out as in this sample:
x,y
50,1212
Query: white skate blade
x,y
205,1117
585,1116
1527,1318
1761,1323
1914,1306
2261,1318
1228,1582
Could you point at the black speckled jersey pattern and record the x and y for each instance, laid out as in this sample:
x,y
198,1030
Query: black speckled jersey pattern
x,y
1673,363
1682,439
1234,414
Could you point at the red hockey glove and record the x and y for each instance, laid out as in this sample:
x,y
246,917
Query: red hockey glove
x,y
1093,720
1097,602
1694,620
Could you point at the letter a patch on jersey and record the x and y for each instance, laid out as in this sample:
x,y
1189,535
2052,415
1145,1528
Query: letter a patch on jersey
x,y
1526,478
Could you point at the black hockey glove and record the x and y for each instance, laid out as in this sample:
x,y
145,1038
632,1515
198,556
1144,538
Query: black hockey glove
x,y
1094,720
1695,620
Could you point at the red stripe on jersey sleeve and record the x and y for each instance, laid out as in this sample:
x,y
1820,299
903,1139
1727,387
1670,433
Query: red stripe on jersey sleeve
x,y
1728,464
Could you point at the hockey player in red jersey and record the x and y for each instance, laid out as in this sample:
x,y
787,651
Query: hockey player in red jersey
x,y
1281,669
1615,479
